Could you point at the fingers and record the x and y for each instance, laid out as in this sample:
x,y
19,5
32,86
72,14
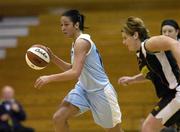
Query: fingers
x,y
49,51
39,83
119,81
123,81
124,84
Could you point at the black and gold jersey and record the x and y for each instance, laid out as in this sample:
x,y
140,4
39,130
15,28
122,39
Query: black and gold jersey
x,y
161,68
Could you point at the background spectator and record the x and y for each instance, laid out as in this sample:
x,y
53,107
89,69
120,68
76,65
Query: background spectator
x,y
11,113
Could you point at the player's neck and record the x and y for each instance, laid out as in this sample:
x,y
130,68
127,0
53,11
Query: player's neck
x,y
77,35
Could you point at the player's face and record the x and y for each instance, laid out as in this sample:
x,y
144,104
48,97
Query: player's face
x,y
169,31
129,41
67,26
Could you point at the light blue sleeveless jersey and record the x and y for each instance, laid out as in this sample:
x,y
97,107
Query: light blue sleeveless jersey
x,y
93,76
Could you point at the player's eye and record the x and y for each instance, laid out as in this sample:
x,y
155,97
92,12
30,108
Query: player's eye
x,y
66,24
170,31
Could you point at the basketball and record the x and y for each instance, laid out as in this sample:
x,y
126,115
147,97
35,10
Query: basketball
x,y
37,57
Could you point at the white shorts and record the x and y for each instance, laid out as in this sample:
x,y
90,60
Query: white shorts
x,y
102,103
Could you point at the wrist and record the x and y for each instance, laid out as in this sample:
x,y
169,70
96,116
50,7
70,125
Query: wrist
x,y
133,79
53,58
50,78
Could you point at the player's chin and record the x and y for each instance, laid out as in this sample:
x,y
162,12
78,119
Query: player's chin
x,y
67,35
131,49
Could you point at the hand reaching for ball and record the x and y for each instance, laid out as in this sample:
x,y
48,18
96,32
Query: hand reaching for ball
x,y
51,54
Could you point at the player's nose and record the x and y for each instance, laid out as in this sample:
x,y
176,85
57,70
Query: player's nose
x,y
166,33
63,28
124,42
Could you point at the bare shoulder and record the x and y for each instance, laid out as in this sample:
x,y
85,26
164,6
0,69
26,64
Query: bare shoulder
x,y
159,43
82,44
157,39
82,41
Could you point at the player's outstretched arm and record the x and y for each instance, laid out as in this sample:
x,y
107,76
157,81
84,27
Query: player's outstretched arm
x,y
126,80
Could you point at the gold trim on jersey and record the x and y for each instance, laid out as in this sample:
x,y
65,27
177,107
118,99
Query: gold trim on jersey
x,y
144,70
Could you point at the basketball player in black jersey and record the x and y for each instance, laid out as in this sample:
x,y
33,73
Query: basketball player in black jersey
x,y
158,59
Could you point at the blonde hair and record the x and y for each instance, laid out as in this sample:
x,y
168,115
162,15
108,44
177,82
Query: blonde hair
x,y
135,24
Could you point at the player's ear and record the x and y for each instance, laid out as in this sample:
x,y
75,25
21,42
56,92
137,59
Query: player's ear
x,y
136,35
76,25
177,32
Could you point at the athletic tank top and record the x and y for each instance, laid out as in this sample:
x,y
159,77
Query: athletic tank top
x,y
93,76
161,68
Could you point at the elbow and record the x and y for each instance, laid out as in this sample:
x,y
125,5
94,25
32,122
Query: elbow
x,y
76,75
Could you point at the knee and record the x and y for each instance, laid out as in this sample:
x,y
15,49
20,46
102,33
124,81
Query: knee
x,y
152,125
59,117
145,127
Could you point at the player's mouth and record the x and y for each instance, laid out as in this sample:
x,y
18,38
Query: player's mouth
x,y
65,32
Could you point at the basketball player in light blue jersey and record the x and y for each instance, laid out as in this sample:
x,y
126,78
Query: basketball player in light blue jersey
x,y
93,91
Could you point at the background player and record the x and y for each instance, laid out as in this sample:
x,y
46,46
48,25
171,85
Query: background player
x,y
154,64
170,28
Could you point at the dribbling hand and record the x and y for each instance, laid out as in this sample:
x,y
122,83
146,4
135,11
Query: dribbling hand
x,y
50,52
41,81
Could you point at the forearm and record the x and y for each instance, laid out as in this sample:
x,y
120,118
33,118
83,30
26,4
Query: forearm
x,y
60,63
65,76
139,78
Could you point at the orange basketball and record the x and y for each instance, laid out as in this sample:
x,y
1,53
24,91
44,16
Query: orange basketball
x,y
37,57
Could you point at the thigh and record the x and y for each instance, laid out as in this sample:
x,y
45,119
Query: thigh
x,y
167,110
152,122
77,97
105,107
66,110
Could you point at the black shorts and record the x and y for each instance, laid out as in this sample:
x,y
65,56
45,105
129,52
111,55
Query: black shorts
x,y
163,110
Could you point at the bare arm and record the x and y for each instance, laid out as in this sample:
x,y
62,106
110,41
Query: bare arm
x,y
125,80
80,50
163,43
60,63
